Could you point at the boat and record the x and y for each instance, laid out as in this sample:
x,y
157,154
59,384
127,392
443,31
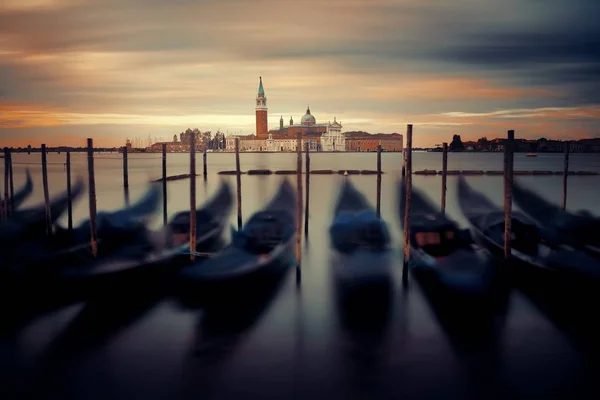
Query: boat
x,y
24,237
579,229
128,254
21,195
152,251
115,230
119,233
535,255
259,250
361,260
441,251
31,222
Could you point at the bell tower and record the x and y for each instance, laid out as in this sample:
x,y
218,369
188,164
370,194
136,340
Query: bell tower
x,y
262,126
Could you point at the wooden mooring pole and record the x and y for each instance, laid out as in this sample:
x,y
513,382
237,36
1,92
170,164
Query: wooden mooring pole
x,y
307,180
92,197
164,182
299,200
6,182
192,196
205,168
408,182
238,175
46,193
125,175
2,206
404,161
69,198
508,183
379,181
565,174
444,176
12,183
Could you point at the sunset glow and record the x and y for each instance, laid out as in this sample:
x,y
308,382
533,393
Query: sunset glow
x,y
72,69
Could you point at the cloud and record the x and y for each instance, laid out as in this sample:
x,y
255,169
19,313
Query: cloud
x,y
377,64
546,112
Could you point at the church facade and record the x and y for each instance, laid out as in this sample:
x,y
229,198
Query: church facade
x,y
284,138
318,136
333,139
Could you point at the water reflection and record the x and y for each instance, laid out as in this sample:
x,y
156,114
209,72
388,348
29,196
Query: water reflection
x,y
363,320
100,321
304,339
222,326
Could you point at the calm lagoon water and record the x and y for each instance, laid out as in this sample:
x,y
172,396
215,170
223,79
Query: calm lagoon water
x,y
295,347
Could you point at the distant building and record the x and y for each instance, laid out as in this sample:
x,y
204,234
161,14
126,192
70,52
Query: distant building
x,y
307,127
246,142
333,139
362,141
319,137
171,147
262,124
550,146
590,145
287,143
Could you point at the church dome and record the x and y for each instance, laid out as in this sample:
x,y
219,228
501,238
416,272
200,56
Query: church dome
x,y
308,118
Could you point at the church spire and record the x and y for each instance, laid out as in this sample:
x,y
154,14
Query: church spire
x,y
261,91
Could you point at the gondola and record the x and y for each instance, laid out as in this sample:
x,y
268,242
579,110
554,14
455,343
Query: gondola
x,y
210,224
129,254
119,233
21,195
152,251
29,223
361,260
534,253
579,230
23,236
258,251
440,250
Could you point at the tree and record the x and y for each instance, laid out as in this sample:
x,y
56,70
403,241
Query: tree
x,y
484,143
205,139
456,144
218,140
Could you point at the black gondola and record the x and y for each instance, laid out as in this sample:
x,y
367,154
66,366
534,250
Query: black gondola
x,y
259,250
30,223
443,251
145,248
576,229
361,260
531,247
23,236
21,195
128,254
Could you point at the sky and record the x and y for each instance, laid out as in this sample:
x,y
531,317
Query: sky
x,y
117,69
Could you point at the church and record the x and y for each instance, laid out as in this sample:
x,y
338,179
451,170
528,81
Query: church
x,y
284,138
318,137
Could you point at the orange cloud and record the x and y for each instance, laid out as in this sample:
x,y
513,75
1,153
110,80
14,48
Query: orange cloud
x,y
542,112
451,88
16,116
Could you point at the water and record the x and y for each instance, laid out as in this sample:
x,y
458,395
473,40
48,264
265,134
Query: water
x,y
294,346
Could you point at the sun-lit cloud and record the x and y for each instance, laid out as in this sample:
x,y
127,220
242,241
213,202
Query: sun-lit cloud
x,y
545,112
114,68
